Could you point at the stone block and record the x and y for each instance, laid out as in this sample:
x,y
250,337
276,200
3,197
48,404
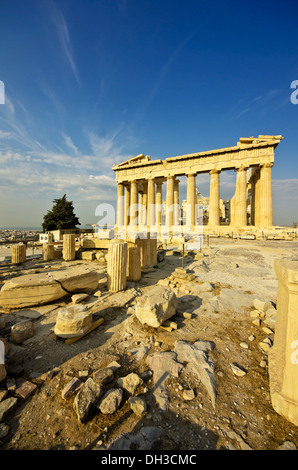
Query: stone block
x,y
156,306
73,321
22,331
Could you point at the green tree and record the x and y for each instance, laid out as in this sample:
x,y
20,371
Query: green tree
x,y
61,216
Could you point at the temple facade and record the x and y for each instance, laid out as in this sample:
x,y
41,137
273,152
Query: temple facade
x,y
140,181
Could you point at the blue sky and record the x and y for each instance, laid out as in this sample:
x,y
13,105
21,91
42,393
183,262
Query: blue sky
x,y
95,82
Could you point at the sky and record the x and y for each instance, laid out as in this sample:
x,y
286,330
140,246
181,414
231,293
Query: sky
x,y
91,83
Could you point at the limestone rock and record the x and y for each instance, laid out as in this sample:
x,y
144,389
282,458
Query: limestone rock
x,y
77,298
130,382
7,406
21,331
156,306
71,387
261,305
138,405
42,288
73,321
163,365
86,399
111,401
103,376
199,362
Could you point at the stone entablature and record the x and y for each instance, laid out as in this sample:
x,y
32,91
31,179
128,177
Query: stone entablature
x,y
140,178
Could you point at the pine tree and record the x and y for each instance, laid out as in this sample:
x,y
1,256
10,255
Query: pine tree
x,y
61,216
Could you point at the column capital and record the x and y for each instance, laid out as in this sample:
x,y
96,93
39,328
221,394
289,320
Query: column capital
x,y
241,168
191,174
214,171
267,165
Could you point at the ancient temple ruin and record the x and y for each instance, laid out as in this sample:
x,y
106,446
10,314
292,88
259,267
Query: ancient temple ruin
x,y
140,180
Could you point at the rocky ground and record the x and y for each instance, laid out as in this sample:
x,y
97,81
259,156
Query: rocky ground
x,y
168,403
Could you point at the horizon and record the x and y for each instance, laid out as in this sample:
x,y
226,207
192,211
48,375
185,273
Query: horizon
x,y
90,84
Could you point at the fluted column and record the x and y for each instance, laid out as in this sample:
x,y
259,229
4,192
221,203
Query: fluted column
x,y
145,199
133,203
266,213
240,218
191,201
117,266
151,203
257,199
120,204
214,213
176,203
127,204
158,203
18,254
69,247
170,202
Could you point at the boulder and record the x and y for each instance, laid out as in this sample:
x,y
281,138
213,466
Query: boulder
x,y
73,321
42,288
111,401
21,331
156,306
86,399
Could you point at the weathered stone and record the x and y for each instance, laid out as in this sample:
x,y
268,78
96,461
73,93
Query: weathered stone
x,y
130,382
42,288
138,405
163,365
73,321
48,252
111,401
103,376
261,305
69,247
4,430
24,388
88,255
238,370
71,388
7,406
22,331
199,362
77,298
156,306
188,395
86,399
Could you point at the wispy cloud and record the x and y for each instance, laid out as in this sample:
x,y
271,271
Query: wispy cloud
x,y
63,35
261,103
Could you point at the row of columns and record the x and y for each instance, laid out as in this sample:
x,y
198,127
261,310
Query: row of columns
x,y
144,207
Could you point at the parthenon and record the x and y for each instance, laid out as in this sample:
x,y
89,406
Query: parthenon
x,y
140,180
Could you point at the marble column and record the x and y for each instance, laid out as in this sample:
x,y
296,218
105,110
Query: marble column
x,y
257,198
120,204
191,201
283,356
266,213
151,203
214,213
240,216
127,204
176,203
145,199
170,202
133,203
158,203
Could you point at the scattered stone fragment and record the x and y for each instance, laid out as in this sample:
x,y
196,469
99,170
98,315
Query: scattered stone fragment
x,y
263,363
4,430
111,401
188,394
103,376
287,445
77,298
138,405
267,330
261,305
251,337
7,406
73,321
257,322
265,346
22,331
156,306
86,399
24,388
130,382
71,388
238,370
244,345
